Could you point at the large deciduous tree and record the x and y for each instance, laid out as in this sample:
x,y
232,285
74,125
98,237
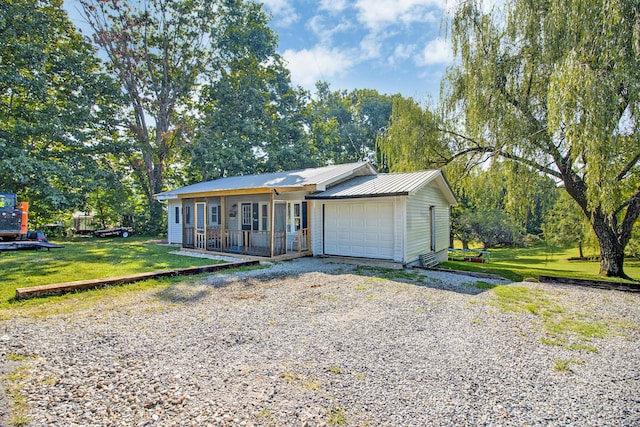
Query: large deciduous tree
x,y
252,119
159,50
55,105
344,125
552,84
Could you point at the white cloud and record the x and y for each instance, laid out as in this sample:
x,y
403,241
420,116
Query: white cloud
x,y
307,66
437,51
370,46
318,26
283,11
333,6
381,13
402,52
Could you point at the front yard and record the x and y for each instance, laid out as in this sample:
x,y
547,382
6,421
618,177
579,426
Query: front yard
x,y
311,342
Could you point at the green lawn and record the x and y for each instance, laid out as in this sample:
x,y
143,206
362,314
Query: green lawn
x,y
519,263
84,258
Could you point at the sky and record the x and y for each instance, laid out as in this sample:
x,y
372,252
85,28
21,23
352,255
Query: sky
x,y
393,46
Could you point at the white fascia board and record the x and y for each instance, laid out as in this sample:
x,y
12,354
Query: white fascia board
x,y
164,197
322,186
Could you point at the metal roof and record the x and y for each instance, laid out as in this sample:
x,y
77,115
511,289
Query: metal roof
x,y
386,184
321,178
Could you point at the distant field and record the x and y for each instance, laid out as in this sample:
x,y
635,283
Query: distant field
x,y
85,258
519,263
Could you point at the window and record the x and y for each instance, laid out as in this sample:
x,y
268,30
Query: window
x,y
296,216
214,219
432,226
187,214
265,217
246,214
293,217
177,215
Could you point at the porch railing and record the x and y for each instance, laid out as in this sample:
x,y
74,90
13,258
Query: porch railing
x,y
298,242
248,242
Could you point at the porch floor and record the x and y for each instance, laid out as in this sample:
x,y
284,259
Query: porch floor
x,y
283,257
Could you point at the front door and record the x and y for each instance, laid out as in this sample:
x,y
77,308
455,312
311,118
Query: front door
x,y
201,225
250,216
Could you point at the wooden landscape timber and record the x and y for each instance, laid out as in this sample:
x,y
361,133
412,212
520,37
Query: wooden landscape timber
x,y
601,284
82,285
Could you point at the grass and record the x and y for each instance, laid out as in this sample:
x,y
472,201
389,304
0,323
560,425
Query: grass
x,y
564,365
88,259
82,259
562,327
14,393
390,273
517,264
337,416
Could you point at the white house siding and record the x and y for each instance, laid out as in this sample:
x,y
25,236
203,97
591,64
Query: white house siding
x,y
315,207
175,229
400,225
419,224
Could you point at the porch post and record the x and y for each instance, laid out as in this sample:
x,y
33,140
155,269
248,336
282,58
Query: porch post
x,y
182,223
271,221
308,231
223,224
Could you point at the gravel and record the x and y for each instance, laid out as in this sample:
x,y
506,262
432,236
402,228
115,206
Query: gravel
x,y
311,342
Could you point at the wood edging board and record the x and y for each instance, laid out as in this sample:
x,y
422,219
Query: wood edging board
x,y
601,284
81,285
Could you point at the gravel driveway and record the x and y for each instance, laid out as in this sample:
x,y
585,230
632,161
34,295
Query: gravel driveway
x,y
311,342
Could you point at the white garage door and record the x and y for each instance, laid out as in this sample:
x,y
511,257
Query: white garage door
x,y
359,229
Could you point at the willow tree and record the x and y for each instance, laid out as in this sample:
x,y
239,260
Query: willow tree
x,y
552,84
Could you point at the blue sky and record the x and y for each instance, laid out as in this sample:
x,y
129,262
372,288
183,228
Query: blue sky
x,y
393,46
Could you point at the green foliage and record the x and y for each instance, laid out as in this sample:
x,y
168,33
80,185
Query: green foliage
x,y
550,85
56,108
344,125
253,118
414,139
565,225
491,227
501,204
533,89
159,51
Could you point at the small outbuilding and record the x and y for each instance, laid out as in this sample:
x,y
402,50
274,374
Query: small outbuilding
x,y
343,210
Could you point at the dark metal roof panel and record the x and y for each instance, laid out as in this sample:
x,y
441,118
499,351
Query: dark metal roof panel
x,y
298,178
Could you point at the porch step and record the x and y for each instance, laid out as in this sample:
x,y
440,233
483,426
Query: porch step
x,y
428,260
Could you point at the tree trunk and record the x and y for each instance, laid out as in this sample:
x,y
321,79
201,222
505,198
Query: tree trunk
x,y
611,259
611,250
581,254
611,237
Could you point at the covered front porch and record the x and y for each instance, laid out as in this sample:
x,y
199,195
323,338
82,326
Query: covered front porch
x,y
263,225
